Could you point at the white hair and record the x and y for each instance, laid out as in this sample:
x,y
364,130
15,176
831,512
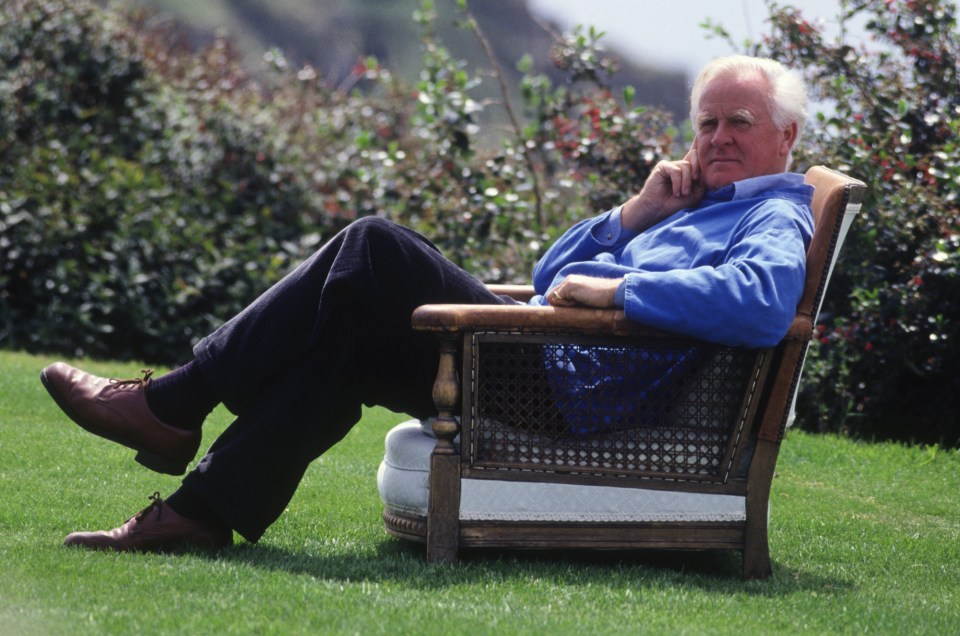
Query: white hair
x,y
787,93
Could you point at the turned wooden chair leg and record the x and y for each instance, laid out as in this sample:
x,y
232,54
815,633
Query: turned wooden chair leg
x,y
443,507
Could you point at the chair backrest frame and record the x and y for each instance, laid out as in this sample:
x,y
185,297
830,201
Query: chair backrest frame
x,y
837,199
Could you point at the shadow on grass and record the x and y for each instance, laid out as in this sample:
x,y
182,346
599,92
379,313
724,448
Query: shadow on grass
x,y
405,563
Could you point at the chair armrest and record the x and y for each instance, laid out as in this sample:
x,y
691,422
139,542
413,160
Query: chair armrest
x,y
528,318
523,293
549,319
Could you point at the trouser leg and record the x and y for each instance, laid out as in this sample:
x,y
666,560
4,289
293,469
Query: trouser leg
x,y
374,268
298,363
252,470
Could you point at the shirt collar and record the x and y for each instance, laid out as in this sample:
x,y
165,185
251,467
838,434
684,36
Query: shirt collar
x,y
747,188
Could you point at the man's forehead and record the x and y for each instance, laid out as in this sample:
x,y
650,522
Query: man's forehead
x,y
730,93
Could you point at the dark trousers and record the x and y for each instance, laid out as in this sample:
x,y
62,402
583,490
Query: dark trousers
x,y
297,364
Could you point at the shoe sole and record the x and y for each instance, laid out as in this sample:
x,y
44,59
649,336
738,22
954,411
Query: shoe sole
x,y
144,457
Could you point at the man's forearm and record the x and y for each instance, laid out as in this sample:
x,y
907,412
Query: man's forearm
x,y
639,214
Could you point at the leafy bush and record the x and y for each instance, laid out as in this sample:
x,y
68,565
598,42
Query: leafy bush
x,y
147,192
887,362
133,206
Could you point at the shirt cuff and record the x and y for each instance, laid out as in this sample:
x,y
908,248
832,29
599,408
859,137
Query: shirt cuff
x,y
620,298
607,231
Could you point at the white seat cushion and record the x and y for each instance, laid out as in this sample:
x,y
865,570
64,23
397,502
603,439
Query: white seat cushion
x,y
403,483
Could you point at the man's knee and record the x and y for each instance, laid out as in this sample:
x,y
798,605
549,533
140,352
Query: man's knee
x,y
384,236
374,224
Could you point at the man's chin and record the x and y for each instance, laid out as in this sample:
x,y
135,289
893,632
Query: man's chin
x,y
718,176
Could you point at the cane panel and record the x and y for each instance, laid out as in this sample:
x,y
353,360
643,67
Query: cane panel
x,y
664,408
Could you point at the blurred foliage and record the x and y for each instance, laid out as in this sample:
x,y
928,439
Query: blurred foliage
x,y
139,191
887,362
147,192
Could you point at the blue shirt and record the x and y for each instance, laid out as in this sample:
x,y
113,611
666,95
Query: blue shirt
x,y
730,270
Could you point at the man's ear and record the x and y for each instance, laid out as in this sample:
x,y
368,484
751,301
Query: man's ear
x,y
788,138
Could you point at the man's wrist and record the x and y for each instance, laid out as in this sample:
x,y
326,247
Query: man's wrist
x,y
637,214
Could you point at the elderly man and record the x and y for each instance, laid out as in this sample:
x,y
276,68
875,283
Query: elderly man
x,y
713,246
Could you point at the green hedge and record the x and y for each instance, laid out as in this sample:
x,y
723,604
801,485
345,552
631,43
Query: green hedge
x,y
148,192
887,362
136,208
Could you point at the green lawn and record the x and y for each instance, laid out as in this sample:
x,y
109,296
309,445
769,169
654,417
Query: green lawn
x,y
864,538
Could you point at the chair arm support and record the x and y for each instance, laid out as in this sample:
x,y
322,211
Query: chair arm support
x,y
527,318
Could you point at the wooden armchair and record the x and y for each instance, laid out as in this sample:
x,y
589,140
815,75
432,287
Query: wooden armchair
x,y
687,464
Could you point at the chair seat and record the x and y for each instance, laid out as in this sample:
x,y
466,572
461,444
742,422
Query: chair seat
x,y
403,483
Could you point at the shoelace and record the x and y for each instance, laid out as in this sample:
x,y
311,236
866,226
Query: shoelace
x,y
155,501
140,383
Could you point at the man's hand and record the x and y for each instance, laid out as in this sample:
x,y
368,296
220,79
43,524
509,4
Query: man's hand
x,y
671,187
577,289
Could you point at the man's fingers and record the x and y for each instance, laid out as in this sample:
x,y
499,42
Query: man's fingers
x,y
686,179
680,175
671,186
694,159
558,298
578,289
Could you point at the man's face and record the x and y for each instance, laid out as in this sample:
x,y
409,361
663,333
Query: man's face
x,y
736,138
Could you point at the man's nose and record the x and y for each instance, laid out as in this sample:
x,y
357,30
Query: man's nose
x,y
722,134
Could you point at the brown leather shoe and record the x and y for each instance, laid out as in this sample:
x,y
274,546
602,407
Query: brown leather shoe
x,y
117,410
156,528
